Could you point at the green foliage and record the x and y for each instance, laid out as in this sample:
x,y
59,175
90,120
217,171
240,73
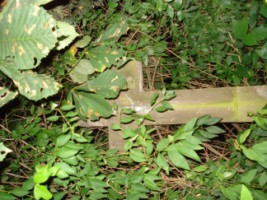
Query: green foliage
x,y
208,42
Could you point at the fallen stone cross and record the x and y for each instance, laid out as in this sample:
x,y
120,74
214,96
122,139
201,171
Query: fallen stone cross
x,y
232,104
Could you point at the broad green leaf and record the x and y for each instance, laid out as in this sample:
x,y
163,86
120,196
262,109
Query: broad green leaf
x,y
41,191
6,196
63,139
36,86
20,192
263,178
114,31
67,107
3,151
245,194
163,144
149,181
67,151
214,130
154,98
126,120
66,168
81,71
137,155
232,193
53,118
249,40
207,120
176,158
249,176
128,133
26,34
240,28
259,33
30,84
116,127
103,57
187,151
91,106
262,52
66,34
82,43
263,10
243,137
42,173
162,163
177,4
107,85
161,109
200,168
6,96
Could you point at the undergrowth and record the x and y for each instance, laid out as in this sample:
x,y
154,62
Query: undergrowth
x,y
182,44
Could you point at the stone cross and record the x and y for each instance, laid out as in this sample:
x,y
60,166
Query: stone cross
x,y
232,104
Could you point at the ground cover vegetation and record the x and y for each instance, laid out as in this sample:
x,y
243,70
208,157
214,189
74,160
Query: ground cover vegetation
x,y
58,67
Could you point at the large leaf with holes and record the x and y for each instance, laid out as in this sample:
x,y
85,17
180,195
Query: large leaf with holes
x,y
91,106
3,151
6,95
108,84
26,34
114,31
103,57
30,84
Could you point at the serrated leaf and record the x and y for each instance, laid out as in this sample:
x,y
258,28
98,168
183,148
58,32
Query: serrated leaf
x,y
186,151
67,107
3,151
81,71
66,34
114,31
29,40
6,196
67,168
149,181
242,138
103,57
176,158
6,96
249,176
214,130
108,84
41,191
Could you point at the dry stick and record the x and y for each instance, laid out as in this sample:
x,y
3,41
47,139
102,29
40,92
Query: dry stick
x,y
214,151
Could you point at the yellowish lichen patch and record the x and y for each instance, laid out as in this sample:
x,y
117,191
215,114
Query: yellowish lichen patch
x,y
21,50
40,46
36,10
9,18
114,79
45,51
30,30
13,48
106,59
115,88
45,85
6,31
17,4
